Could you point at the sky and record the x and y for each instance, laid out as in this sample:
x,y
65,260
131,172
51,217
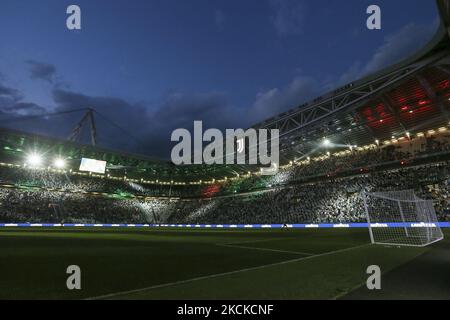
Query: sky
x,y
152,66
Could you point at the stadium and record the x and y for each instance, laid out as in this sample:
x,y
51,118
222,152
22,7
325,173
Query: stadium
x,y
363,180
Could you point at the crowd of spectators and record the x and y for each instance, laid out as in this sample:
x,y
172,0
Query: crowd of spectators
x,y
330,201
288,197
37,206
66,182
334,165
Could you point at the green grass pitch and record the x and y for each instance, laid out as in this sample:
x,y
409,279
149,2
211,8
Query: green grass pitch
x,y
215,264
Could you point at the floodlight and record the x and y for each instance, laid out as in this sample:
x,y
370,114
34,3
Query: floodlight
x,y
34,159
326,142
59,163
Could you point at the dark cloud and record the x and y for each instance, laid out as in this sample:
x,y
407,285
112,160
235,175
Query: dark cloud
x,y
132,127
180,109
24,108
277,100
13,108
12,104
9,92
42,71
146,129
119,123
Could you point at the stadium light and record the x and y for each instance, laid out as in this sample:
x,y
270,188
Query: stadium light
x,y
326,142
34,159
59,163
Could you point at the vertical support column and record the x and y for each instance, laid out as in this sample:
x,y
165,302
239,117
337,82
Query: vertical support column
x,y
369,224
403,218
425,217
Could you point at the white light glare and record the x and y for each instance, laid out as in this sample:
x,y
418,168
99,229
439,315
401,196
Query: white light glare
x,y
34,159
59,163
326,142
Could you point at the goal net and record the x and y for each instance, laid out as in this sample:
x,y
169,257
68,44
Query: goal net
x,y
401,218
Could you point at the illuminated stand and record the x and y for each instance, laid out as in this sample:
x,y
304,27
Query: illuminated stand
x,y
412,221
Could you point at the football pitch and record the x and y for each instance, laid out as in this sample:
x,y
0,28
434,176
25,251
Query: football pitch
x,y
156,263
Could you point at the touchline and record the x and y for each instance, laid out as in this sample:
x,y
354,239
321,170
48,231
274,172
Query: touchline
x,y
241,147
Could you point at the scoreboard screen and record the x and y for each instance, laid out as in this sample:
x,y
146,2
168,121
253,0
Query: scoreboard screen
x,y
92,165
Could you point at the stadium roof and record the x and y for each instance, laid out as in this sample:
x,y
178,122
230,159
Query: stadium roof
x,y
403,99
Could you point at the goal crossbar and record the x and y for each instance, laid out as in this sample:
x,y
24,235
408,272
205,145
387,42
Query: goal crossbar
x,y
401,218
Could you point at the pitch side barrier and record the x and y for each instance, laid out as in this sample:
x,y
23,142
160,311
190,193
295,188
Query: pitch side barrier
x,y
231,226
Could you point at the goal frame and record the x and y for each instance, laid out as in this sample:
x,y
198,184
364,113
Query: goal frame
x,y
429,224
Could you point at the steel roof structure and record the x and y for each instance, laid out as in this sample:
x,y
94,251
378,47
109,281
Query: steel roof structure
x,y
405,98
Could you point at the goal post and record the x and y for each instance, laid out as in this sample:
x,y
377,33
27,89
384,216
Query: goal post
x,y
401,218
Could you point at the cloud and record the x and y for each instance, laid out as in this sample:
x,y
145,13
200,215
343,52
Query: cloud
x,y
146,128
289,16
219,18
12,104
277,100
179,109
13,108
119,123
41,71
399,46
395,47
132,127
25,108
9,92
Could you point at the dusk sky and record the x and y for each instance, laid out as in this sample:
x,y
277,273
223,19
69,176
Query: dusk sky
x,y
156,65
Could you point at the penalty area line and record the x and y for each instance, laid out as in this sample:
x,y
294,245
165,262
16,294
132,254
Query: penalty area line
x,y
264,249
217,275
255,241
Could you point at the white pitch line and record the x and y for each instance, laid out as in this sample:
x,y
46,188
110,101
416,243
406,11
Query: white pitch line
x,y
170,284
238,245
264,249
255,241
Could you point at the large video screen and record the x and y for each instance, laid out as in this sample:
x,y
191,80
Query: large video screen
x,y
92,165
